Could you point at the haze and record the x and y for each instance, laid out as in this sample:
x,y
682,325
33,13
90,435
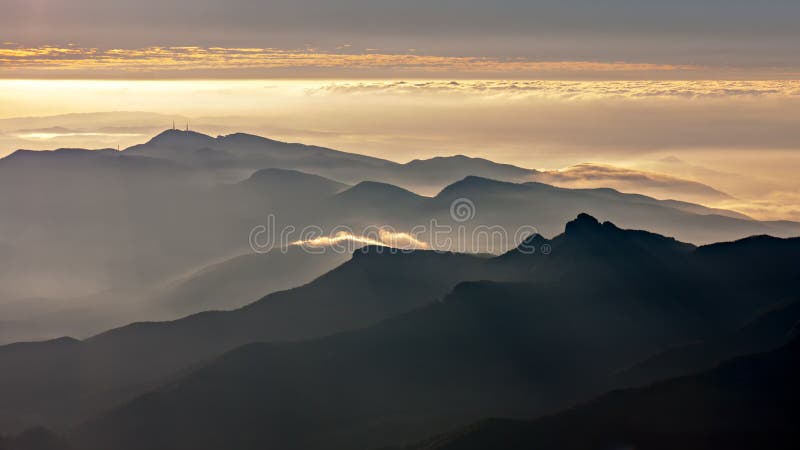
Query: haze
x,y
399,224
737,136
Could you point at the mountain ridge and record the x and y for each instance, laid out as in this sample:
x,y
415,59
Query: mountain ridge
x,y
744,403
576,287
511,347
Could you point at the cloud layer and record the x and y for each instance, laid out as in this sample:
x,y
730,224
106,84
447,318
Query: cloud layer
x,y
76,62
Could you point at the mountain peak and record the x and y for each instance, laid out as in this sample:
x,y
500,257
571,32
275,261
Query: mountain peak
x,y
445,159
376,189
582,224
175,136
534,239
276,178
476,184
247,138
372,249
470,163
530,245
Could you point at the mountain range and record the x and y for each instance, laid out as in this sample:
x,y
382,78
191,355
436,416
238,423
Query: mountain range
x,y
745,403
392,347
140,311
94,236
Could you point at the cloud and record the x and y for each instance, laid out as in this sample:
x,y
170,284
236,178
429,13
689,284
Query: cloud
x,y
384,237
592,175
67,62
572,89
777,205
61,132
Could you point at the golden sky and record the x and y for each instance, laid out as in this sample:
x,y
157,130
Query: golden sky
x,y
740,137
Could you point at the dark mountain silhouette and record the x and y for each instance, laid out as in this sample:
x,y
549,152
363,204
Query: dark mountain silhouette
x,y
37,438
488,350
745,403
767,332
603,299
767,259
95,373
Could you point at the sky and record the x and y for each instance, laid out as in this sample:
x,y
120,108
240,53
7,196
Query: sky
x,y
737,39
704,87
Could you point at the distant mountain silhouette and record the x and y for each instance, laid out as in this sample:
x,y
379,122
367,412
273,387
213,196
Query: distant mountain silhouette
x,y
153,203
371,202
240,280
246,151
178,140
277,191
547,207
460,166
288,181
154,211
429,175
77,159
745,403
372,193
681,205
555,332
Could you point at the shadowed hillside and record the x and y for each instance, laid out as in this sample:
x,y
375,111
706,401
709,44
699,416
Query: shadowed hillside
x,y
98,371
745,403
603,299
